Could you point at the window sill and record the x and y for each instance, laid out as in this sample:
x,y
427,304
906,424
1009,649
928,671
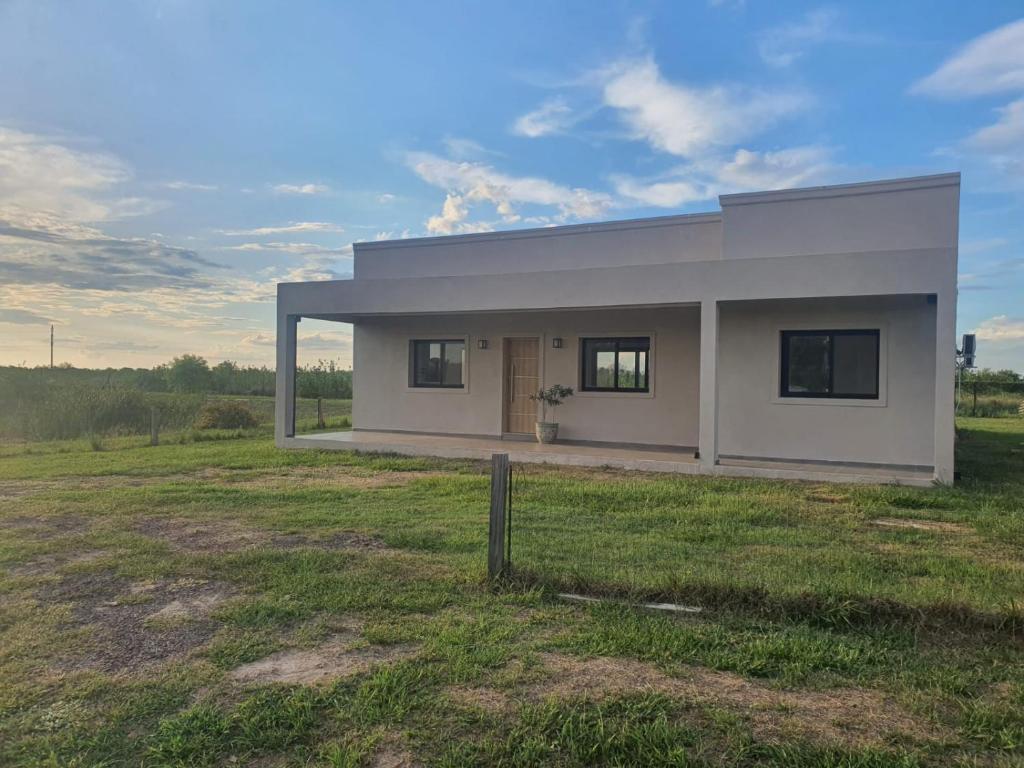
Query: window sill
x,y
626,395
438,390
839,401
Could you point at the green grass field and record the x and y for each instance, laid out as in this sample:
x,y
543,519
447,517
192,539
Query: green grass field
x,y
215,601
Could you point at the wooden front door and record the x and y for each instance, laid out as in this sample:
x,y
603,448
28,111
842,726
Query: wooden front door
x,y
522,379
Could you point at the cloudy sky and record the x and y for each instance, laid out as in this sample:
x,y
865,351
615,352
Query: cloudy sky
x,y
163,164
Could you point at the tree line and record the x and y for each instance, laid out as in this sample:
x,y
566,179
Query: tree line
x,y
192,374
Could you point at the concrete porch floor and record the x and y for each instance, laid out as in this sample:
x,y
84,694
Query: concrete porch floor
x,y
643,459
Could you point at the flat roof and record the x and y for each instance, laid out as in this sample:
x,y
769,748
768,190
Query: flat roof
x,y
552,231
843,190
739,198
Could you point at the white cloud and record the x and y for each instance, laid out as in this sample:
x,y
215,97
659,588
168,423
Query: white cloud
x,y
299,249
970,247
783,45
189,185
301,189
743,171
259,340
461,148
1007,133
990,63
385,198
660,194
782,169
405,234
553,116
686,120
1000,328
295,226
469,184
39,177
21,317
452,219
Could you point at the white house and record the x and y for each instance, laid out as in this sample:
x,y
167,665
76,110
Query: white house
x,y
806,333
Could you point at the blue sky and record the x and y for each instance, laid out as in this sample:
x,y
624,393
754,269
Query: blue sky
x,y
164,164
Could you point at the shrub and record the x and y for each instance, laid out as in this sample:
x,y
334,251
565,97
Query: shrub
x,y
226,414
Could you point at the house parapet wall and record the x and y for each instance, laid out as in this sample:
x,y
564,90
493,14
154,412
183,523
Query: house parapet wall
x,y
931,271
661,240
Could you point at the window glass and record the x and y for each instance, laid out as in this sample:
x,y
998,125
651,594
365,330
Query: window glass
x,y
438,363
808,364
598,364
616,365
628,377
453,354
839,364
856,364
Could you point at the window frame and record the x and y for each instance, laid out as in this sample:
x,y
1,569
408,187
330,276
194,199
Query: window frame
x,y
786,335
413,369
617,340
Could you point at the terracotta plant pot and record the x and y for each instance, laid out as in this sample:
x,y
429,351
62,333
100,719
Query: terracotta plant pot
x,y
547,431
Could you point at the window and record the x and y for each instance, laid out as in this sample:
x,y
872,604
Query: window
x,y
838,364
438,363
615,365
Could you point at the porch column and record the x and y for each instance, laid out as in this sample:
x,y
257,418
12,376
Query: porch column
x,y
945,388
284,390
707,443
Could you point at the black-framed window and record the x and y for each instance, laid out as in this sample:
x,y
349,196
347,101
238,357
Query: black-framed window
x,y
615,364
836,364
437,363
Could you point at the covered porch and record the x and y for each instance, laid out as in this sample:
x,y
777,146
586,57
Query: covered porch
x,y
581,454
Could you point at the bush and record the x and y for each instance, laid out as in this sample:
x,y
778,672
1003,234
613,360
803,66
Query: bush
x,y
226,414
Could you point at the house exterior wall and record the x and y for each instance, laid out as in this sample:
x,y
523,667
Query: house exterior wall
x,y
855,218
662,240
897,428
668,415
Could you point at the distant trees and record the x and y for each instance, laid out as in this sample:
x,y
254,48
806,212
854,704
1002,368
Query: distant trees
x,y
189,374
1004,376
324,379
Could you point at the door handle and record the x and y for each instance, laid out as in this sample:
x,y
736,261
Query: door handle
x,y
512,384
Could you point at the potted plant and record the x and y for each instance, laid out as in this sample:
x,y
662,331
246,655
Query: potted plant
x,y
552,397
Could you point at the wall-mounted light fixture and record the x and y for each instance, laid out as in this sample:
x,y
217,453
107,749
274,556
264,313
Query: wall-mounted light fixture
x,y
556,342
481,343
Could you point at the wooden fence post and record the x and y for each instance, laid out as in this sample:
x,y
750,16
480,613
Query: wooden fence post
x,y
154,427
974,389
499,501
320,422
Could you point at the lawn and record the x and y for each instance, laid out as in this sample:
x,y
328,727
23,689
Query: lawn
x,y
221,602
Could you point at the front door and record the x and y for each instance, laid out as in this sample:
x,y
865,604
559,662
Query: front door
x,y
522,379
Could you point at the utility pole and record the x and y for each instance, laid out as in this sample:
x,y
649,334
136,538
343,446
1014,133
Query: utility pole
x,y
51,345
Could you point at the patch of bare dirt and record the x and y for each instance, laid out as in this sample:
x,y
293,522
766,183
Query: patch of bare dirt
x,y
13,489
922,525
340,476
228,536
340,656
205,537
847,715
826,495
391,754
47,527
45,565
340,540
487,699
134,624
